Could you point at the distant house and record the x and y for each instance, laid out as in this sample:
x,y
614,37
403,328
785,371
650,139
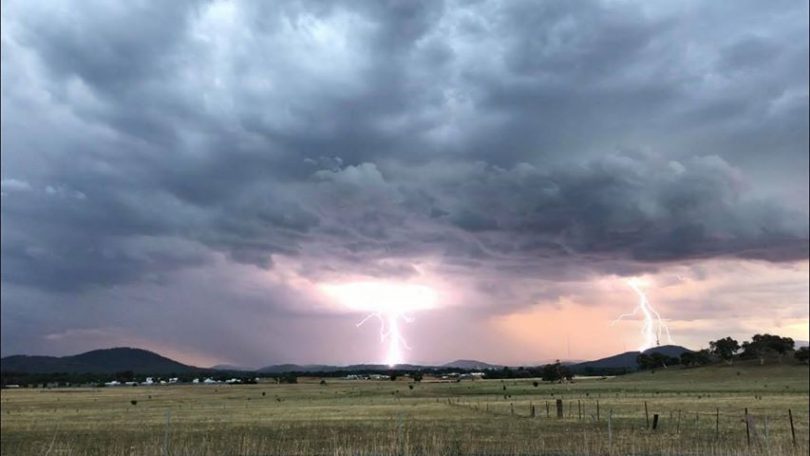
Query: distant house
x,y
196,380
471,376
149,381
113,383
209,381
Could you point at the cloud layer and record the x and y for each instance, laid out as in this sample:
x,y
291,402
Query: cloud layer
x,y
475,142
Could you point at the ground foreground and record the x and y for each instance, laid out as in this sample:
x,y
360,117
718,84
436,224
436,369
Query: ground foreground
x,y
701,411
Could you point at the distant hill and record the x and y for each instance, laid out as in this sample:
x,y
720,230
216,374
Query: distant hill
x,y
105,361
470,364
231,368
627,361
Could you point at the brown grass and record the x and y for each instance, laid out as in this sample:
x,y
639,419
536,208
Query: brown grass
x,y
387,418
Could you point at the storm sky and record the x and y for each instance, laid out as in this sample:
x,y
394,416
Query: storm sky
x,y
188,176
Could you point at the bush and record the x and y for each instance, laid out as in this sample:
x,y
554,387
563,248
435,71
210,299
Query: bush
x,y
802,355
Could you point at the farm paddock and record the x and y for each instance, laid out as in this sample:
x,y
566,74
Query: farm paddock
x,y
700,411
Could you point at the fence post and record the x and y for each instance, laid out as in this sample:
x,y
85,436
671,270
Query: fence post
x,y
717,424
597,410
655,421
548,413
678,426
747,428
559,408
766,429
792,429
166,433
512,408
646,414
610,429
400,440
579,409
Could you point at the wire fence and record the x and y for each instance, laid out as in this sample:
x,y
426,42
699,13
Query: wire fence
x,y
754,427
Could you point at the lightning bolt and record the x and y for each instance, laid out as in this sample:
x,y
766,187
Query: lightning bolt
x,y
654,326
389,330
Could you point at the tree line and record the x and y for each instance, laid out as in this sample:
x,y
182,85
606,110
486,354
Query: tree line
x,y
761,347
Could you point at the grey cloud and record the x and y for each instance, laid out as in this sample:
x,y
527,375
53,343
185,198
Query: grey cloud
x,y
554,139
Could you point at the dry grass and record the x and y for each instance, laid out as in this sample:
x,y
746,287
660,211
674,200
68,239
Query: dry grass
x,y
387,418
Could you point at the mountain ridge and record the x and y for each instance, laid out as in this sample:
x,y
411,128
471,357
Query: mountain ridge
x,y
117,359
101,361
627,360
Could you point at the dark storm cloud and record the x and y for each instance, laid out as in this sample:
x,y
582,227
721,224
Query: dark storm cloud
x,y
555,139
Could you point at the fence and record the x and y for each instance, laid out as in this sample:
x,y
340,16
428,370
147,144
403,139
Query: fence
x,y
752,428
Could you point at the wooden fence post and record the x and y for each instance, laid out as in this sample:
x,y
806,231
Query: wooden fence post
x,y
717,424
610,429
166,434
655,421
766,429
579,409
792,429
747,428
646,414
559,408
678,426
548,412
597,410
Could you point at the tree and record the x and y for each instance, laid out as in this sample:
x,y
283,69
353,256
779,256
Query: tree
x,y
417,376
288,378
803,355
644,361
556,372
762,345
655,360
698,358
125,376
725,349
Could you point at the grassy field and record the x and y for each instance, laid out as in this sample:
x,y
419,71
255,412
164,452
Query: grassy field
x,y
701,411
